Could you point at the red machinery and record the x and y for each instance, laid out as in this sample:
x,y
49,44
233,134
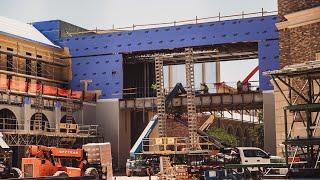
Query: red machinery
x,y
52,161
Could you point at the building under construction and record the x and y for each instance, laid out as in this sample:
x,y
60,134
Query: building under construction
x,y
124,64
61,83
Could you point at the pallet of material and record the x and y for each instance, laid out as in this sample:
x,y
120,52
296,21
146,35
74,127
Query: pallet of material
x,y
100,153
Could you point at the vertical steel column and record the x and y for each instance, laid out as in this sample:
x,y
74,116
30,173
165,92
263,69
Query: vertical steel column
x,y
191,106
160,96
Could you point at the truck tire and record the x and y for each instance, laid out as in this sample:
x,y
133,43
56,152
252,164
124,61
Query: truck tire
x,y
91,171
16,172
61,174
129,173
150,172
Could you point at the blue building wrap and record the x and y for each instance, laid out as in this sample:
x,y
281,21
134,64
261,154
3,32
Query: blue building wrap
x,y
99,56
50,29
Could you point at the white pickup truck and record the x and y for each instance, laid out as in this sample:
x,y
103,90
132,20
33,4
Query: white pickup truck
x,y
253,155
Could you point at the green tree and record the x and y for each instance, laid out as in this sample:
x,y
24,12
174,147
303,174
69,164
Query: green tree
x,y
258,134
224,136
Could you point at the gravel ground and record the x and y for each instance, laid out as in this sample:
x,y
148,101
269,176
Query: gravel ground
x,y
133,177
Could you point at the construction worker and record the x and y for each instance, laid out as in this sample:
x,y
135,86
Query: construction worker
x,y
153,86
239,86
204,88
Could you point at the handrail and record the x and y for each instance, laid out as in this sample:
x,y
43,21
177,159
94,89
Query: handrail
x,y
196,20
14,125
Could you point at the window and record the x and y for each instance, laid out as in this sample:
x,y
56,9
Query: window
x,y
39,67
28,64
254,153
9,62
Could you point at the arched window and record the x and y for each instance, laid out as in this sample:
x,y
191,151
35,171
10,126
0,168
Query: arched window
x,y
67,127
7,119
44,125
64,120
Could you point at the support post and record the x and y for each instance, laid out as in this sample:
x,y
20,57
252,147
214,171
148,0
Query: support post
x,y
191,107
160,96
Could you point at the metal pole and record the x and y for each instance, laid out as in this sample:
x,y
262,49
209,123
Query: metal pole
x,y
286,135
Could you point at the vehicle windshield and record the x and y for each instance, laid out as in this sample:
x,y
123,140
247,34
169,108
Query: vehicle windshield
x,y
254,153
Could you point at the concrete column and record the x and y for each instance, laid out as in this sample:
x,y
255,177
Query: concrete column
x,y
124,137
204,73
170,76
269,121
218,77
57,115
26,113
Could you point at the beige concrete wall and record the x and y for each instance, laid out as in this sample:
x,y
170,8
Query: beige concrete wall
x,y
269,122
279,115
108,115
87,115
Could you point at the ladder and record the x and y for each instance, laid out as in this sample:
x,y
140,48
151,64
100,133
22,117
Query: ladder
x,y
164,164
37,123
160,96
318,160
69,110
296,149
191,107
314,133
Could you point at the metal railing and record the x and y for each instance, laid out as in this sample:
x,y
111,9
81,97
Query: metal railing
x,y
12,125
195,20
88,129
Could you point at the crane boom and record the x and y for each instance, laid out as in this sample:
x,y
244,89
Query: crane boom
x,y
245,81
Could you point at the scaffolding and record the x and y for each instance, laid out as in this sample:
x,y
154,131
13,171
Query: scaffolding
x,y
193,140
191,107
160,96
300,86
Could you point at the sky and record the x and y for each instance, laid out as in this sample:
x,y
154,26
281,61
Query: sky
x,y
103,14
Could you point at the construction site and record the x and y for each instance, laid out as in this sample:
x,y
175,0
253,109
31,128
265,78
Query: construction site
x,y
150,101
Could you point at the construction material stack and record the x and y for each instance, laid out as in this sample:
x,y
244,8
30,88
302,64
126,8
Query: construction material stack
x,y
99,156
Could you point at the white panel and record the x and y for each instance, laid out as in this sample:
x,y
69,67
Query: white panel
x,y
22,30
